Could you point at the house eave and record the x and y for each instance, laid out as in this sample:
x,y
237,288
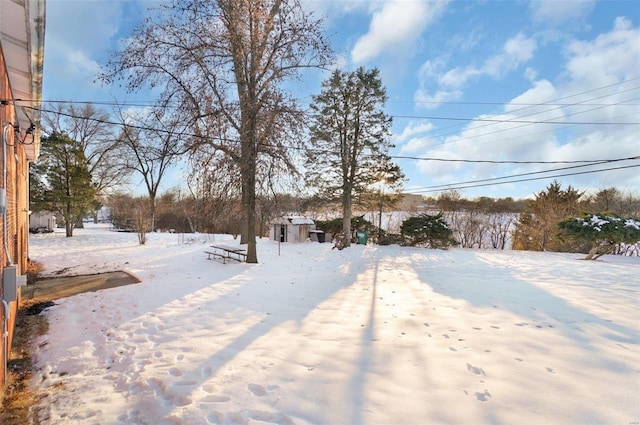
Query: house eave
x,y
22,24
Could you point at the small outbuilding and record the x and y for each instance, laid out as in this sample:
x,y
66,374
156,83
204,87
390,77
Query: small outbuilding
x,y
295,229
42,222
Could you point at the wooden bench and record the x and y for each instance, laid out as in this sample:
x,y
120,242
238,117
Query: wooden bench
x,y
225,252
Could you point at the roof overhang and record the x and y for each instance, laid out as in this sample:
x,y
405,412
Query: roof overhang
x,y
22,25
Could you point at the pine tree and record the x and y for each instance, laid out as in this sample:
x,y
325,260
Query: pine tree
x,y
62,182
350,138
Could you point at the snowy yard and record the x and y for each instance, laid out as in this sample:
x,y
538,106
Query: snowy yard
x,y
367,335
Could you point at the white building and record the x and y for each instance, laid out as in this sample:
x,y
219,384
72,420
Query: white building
x,y
294,229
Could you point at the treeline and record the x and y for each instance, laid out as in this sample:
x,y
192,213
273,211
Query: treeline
x,y
531,224
484,222
196,211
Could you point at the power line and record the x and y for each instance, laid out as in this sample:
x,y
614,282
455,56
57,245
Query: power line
x,y
454,187
480,161
518,121
550,103
489,120
147,128
533,173
528,123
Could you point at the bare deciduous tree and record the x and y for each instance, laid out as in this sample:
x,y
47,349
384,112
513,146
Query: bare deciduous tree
x,y
225,63
91,128
152,142
214,190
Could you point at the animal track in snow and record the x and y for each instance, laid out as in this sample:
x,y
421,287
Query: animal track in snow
x,y
475,370
483,396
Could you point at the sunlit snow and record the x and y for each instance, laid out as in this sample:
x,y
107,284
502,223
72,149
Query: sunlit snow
x,y
310,335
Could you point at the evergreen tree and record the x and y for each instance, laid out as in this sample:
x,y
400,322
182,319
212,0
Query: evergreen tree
x,y
350,136
604,231
427,230
61,181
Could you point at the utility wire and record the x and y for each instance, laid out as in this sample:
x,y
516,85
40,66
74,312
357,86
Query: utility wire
x,y
455,187
550,103
491,121
528,123
479,161
534,172
319,151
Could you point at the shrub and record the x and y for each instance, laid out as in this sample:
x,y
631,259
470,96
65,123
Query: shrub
x,y
604,231
427,230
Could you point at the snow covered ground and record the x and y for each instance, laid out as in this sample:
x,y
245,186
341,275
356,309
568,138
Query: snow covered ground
x,y
367,335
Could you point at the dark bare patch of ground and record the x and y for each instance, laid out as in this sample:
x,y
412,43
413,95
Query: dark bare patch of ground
x,y
19,403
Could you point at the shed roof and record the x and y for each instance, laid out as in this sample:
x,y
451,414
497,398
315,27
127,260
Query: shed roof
x,y
295,220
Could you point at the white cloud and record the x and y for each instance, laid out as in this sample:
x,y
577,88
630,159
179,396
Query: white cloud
x,y
432,70
530,74
412,129
79,38
610,58
458,77
540,93
396,25
515,52
428,101
556,13
601,73
333,9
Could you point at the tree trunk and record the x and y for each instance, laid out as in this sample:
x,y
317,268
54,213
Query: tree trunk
x,y
346,217
68,229
249,198
152,206
599,250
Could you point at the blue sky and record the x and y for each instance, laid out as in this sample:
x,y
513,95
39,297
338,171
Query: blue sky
x,y
468,82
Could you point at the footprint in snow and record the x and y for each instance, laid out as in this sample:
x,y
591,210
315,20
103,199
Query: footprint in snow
x,y
174,371
483,396
257,390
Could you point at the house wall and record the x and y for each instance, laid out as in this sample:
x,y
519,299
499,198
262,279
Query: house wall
x,y
13,236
